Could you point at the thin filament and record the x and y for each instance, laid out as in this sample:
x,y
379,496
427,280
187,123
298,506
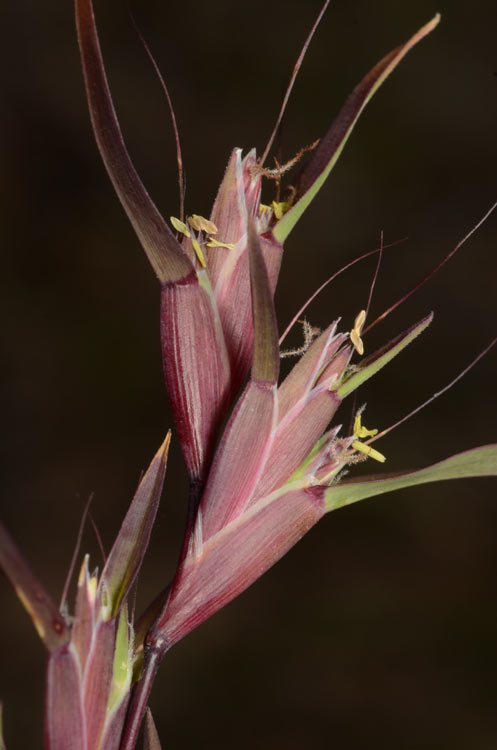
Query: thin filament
x,y
378,264
75,553
179,159
432,272
98,538
295,71
435,395
328,281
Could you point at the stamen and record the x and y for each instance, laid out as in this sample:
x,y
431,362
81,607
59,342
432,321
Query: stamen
x,y
199,253
280,208
215,243
355,334
180,226
202,225
360,431
328,281
368,451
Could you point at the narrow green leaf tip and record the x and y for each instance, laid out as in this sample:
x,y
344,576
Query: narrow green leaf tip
x,y
316,171
371,365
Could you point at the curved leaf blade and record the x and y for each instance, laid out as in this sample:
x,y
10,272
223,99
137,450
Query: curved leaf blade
x,y
163,250
314,174
36,600
477,462
372,364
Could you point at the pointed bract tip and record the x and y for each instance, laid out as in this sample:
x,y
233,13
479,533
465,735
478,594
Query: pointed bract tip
x,y
315,172
372,364
152,741
127,553
435,21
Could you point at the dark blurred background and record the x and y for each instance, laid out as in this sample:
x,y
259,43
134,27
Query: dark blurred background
x,y
379,629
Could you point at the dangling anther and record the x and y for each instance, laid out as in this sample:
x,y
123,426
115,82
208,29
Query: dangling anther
x,y
355,334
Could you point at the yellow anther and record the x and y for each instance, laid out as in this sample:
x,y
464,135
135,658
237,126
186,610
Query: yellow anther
x,y
360,431
202,225
199,253
180,226
355,334
368,451
280,208
92,588
263,208
215,243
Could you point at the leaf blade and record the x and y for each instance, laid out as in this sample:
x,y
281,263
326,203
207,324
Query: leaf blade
x,y
163,250
477,462
315,173
40,606
378,360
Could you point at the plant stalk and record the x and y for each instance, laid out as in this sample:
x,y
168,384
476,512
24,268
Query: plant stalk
x,y
139,699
